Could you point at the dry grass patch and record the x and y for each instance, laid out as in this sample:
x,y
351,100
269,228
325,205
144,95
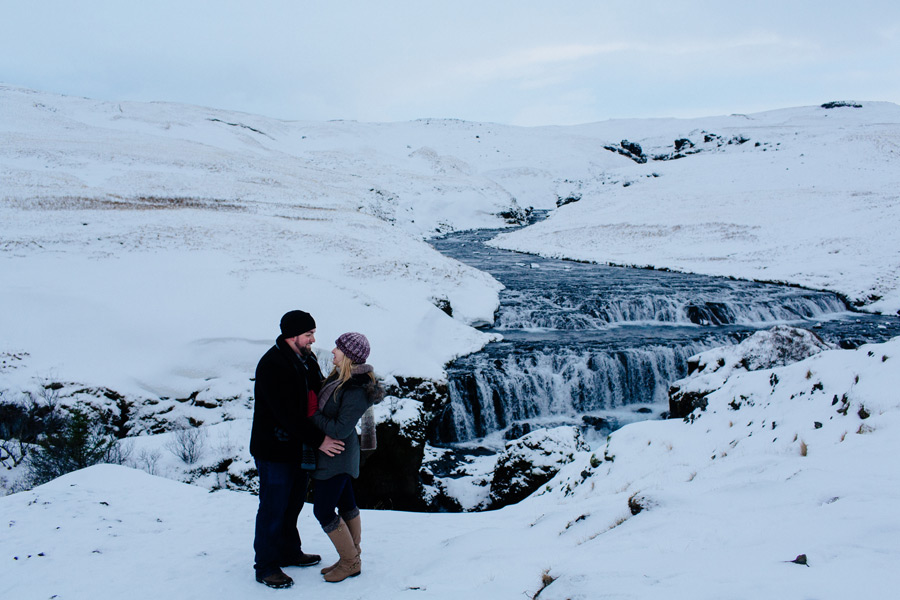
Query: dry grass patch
x,y
121,203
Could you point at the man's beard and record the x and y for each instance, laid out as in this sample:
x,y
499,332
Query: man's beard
x,y
304,351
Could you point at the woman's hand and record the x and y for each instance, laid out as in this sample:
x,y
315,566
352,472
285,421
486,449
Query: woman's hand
x,y
331,446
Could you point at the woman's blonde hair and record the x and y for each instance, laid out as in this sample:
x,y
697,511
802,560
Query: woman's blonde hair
x,y
344,371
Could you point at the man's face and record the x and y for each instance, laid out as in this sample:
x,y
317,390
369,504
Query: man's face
x,y
302,344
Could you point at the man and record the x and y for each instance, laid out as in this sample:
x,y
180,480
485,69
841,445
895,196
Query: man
x,y
287,379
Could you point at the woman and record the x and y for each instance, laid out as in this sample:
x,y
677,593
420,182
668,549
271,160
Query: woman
x,y
348,392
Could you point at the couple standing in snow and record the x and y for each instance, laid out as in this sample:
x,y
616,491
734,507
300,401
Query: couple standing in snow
x,y
304,426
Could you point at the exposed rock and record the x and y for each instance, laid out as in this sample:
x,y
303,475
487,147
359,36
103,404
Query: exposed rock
x,y
516,215
444,305
841,104
710,313
601,424
775,347
633,147
683,403
683,144
567,200
531,461
517,430
632,150
444,470
389,477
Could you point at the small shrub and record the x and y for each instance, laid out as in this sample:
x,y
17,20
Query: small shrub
x,y
148,461
187,444
25,420
77,444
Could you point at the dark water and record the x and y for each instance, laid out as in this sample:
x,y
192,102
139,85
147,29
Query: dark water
x,y
598,346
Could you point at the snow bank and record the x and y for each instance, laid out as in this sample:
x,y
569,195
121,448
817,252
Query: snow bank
x,y
784,462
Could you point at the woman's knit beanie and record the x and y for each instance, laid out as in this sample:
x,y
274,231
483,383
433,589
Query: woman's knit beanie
x,y
355,346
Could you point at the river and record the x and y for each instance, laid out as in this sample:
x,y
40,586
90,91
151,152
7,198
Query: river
x,y
598,346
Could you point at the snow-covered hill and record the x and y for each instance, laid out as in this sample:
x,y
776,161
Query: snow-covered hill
x,y
147,250
784,462
151,248
807,196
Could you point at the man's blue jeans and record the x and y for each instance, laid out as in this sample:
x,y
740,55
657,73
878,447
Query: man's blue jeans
x,y
282,492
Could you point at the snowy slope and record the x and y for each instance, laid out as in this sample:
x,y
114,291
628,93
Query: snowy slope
x,y
806,196
151,247
723,503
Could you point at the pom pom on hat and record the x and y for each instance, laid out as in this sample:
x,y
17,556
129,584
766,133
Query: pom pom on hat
x,y
354,345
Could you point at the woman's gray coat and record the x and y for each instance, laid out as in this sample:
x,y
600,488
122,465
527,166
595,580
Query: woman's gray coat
x,y
338,418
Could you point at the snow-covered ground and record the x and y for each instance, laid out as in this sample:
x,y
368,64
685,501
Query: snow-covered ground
x,y
791,461
149,250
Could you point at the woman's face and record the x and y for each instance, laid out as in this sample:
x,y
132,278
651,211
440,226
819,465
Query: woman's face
x,y
337,357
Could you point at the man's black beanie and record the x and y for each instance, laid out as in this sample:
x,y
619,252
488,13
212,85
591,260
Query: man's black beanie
x,y
295,322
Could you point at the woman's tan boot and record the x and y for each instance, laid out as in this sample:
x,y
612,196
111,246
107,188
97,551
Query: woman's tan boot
x,y
349,564
355,527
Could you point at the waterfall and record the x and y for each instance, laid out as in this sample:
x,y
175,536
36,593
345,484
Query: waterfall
x,y
499,387
581,340
530,310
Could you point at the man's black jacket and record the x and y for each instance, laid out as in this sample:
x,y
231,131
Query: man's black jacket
x,y
280,422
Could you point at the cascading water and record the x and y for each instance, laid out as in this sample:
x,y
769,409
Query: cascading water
x,y
598,346
529,311
503,388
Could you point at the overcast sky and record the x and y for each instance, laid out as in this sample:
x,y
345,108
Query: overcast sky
x,y
520,62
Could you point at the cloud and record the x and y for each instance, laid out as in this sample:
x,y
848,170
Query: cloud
x,y
406,59
531,61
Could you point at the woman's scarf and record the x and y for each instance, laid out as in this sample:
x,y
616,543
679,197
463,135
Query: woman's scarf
x,y
332,384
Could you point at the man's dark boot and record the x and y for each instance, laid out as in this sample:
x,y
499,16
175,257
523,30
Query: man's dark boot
x,y
276,580
303,560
